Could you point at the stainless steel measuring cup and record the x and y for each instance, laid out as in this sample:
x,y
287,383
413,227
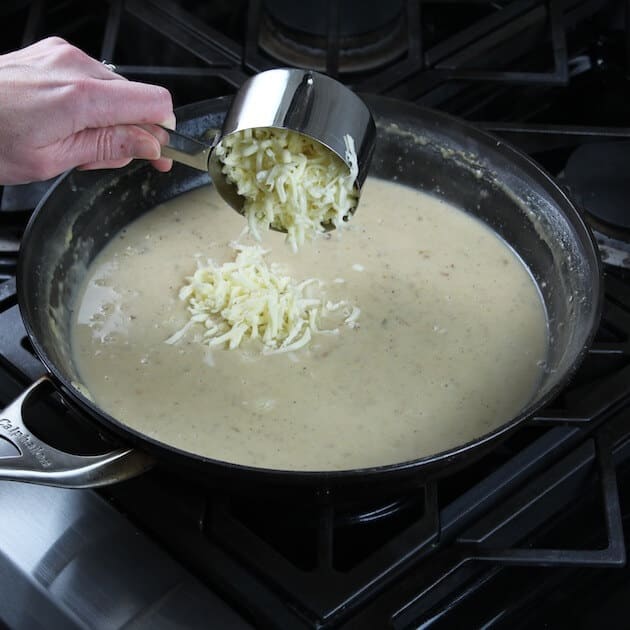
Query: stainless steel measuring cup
x,y
308,102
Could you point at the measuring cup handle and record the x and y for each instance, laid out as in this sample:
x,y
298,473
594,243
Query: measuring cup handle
x,y
187,150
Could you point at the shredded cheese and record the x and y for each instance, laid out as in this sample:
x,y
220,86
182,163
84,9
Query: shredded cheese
x,y
248,299
290,181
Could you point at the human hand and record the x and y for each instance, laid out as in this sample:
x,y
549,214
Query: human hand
x,y
60,109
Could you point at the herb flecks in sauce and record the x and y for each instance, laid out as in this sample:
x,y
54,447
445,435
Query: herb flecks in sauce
x,y
372,396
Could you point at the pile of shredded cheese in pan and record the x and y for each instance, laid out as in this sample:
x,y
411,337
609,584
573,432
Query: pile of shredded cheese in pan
x,y
289,181
248,299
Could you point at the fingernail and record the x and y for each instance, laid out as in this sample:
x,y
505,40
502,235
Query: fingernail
x,y
170,122
163,165
147,148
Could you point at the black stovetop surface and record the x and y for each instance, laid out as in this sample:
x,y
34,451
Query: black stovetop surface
x,y
532,535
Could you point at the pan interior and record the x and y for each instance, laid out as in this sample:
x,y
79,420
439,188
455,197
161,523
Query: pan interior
x,y
428,153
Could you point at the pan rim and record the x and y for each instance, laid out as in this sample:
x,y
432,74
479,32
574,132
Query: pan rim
x,y
520,160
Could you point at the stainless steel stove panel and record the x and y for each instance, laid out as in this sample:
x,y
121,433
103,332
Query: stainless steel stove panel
x,y
68,559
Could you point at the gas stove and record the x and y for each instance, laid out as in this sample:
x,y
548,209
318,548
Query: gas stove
x,y
532,535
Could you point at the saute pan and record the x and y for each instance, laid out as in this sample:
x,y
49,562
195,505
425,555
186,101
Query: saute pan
x,y
421,148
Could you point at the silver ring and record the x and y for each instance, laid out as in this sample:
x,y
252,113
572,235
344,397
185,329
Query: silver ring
x,y
109,66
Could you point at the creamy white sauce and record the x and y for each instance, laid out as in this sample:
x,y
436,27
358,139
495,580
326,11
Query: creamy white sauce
x,y
451,338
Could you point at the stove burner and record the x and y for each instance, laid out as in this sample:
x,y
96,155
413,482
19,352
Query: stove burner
x,y
350,532
597,175
370,34
346,515
373,514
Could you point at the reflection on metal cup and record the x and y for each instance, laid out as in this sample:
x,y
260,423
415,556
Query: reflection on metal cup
x,y
303,101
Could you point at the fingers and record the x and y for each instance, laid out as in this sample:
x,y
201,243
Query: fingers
x,y
111,147
108,145
157,132
114,147
95,103
170,122
94,96
162,164
92,166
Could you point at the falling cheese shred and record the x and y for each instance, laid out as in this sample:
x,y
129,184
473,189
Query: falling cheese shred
x,y
249,299
290,181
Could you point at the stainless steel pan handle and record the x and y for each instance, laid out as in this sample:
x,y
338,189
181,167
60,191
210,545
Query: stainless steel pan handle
x,y
41,463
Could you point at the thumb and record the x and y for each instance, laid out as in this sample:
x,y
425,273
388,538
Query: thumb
x,y
106,144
